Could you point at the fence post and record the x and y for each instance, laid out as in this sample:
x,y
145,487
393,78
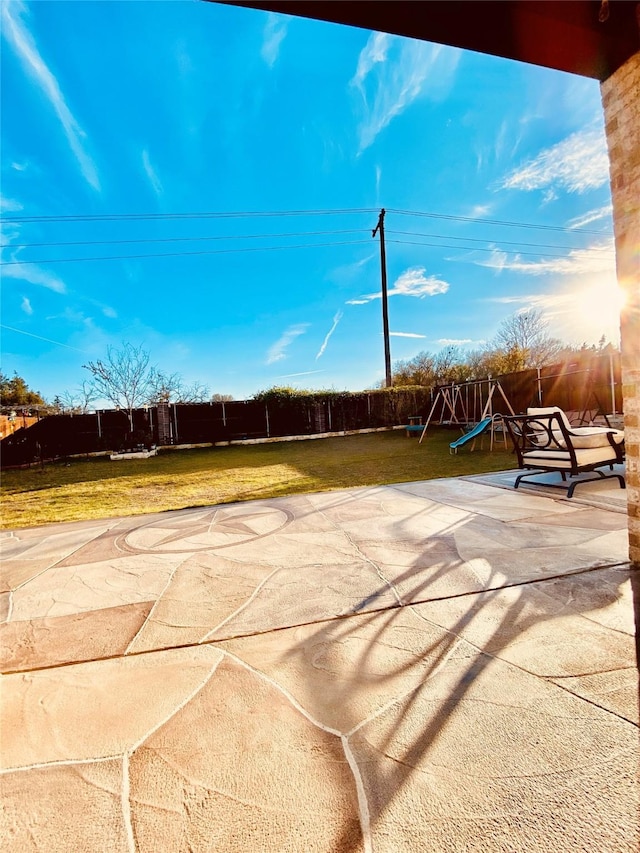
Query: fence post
x,y
266,416
539,388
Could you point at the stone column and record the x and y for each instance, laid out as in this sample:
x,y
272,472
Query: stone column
x,y
621,102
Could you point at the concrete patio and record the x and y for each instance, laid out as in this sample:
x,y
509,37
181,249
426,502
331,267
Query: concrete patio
x,y
445,665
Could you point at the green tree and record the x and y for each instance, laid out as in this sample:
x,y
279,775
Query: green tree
x,y
14,391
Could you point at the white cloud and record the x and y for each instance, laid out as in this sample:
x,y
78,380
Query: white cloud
x,y
277,352
454,342
479,211
411,282
577,164
151,173
405,335
19,37
591,216
26,306
109,312
274,32
9,205
35,275
373,52
597,258
336,320
392,72
19,167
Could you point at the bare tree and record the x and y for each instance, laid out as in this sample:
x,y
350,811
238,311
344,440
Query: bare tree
x,y
79,400
125,377
166,387
194,393
524,341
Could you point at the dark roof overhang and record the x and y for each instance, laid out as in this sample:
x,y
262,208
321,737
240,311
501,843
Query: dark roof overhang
x,y
567,35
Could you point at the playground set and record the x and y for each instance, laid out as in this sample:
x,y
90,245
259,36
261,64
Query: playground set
x,y
470,406
478,407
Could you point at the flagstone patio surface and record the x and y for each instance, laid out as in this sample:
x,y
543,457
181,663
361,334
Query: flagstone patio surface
x,y
446,665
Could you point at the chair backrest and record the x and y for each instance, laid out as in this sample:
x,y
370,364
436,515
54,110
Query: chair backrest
x,y
551,410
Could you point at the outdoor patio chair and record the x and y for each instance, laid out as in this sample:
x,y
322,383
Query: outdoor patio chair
x,y
545,441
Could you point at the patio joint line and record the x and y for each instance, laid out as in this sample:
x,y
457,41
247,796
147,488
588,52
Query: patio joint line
x,y
61,762
155,603
60,559
364,557
126,780
363,805
244,605
325,620
544,678
288,696
10,607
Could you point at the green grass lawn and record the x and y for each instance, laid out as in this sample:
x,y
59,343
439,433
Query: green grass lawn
x,y
100,488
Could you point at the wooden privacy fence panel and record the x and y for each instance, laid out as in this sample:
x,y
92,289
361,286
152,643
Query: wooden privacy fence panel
x,y
584,385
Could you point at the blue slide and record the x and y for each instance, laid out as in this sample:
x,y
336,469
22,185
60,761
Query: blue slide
x,y
478,429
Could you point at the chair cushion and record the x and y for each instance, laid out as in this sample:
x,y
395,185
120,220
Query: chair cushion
x,y
562,459
551,410
588,437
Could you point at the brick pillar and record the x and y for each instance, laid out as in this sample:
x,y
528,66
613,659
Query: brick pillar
x,y
621,102
164,424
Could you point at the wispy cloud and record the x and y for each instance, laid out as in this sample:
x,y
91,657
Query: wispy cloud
x,y
336,320
529,300
591,216
392,72
277,352
598,258
154,180
20,167
9,205
347,272
35,275
26,306
405,335
411,282
274,32
454,342
577,164
16,32
304,373
479,211
40,338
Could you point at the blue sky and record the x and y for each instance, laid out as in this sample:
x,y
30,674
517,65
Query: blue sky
x,y
166,110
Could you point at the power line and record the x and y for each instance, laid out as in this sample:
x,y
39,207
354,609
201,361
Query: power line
x,y
483,240
506,223
282,235
184,239
483,249
182,254
128,217
275,249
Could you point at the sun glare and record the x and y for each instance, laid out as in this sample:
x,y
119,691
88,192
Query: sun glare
x,y
600,304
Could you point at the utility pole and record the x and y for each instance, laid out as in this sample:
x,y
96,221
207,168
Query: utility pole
x,y
385,310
